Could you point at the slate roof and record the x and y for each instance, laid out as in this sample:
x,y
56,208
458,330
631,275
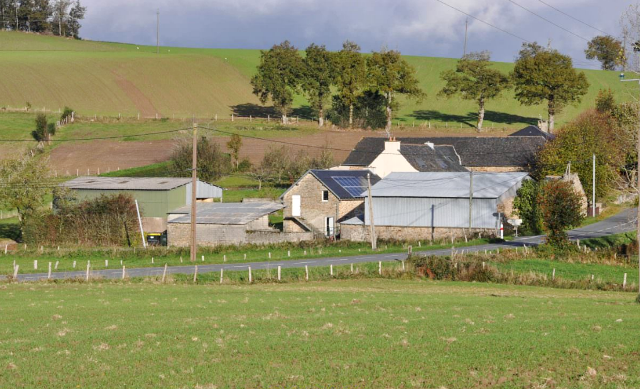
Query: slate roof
x,y
226,213
511,151
126,183
426,159
446,184
533,131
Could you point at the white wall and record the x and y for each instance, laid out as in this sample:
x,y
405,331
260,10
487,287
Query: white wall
x,y
390,161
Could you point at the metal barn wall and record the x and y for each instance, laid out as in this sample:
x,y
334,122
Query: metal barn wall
x,y
432,212
203,191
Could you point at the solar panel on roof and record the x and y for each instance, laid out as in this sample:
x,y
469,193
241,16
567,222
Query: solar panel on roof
x,y
355,186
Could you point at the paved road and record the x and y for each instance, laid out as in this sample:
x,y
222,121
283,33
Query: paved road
x,y
622,222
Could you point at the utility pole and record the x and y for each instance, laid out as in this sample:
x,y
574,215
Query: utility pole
x,y
593,199
466,25
374,244
194,183
470,199
158,31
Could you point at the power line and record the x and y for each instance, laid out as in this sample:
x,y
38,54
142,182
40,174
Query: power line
x,y
549,21
574,18
482,21
99,138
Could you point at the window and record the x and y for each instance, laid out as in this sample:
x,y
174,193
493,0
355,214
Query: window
x,y
325,195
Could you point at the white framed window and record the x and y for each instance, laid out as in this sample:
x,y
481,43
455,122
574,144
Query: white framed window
x,y
325,196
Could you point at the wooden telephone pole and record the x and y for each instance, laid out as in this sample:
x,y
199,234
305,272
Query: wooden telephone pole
x,y
194,183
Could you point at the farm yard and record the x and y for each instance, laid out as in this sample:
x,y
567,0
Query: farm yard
x,y
347,333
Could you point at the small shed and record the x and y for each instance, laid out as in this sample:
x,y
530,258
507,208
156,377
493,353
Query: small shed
x,y
156,195
417,206
227,224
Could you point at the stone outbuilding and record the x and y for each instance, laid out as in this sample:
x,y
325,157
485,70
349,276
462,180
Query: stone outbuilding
x,y
431,206
228,224
321,199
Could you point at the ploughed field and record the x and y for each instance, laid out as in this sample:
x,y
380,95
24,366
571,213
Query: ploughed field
x,y
341,333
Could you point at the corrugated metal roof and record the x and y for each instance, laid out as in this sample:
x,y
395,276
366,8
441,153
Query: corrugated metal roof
x,y
126,183
446,184
226,213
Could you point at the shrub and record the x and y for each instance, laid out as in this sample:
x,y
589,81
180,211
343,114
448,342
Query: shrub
x,y
526,206
244,166
66,113
212,162
561,209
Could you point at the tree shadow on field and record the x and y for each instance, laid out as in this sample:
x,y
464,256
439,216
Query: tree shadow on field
x,y
11,231
259,111
426,114
249,109
471,118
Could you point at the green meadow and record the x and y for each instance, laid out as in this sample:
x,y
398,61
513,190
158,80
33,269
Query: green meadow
x,y
368,333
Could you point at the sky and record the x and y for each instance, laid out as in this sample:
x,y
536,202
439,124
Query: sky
x,y
414,27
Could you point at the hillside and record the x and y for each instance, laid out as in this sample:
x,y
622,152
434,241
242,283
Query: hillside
x,y
111,78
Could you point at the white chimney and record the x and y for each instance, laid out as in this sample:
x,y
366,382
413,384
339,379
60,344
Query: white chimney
x,y
392,146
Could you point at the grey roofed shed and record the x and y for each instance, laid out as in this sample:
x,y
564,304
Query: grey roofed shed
x,y
126,183
440,200
225,213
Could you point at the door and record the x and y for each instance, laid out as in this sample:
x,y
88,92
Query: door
x,y
295,205
329,226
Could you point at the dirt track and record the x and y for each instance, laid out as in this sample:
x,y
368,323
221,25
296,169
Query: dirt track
x,y
110,155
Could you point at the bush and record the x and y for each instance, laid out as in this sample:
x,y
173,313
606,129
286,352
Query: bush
x,y
527,208
443,268
244,166
561,210
66,113
104,221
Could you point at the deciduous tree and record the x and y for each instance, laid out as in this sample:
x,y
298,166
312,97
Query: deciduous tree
x,y
317,78
474,79
542,75
23,184
234,145
606,49
278,77
391,75
212,162
350,75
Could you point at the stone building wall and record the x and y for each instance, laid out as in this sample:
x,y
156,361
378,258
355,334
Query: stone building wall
x,y
361,233
496,169
179,234
312,209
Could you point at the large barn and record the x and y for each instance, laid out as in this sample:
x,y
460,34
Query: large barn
x,y
156,195
414,206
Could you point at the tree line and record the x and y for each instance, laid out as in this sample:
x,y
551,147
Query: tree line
x,y
361,82
363,90
57,17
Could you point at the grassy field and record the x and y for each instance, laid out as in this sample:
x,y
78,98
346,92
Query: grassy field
x,y
110,79
156,257
362,333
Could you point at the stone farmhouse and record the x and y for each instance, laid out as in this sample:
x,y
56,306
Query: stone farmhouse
x,y
321,199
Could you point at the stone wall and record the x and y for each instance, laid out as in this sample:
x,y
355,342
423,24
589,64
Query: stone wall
x,y
179,234
312,209
272,237
154,224
361,233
